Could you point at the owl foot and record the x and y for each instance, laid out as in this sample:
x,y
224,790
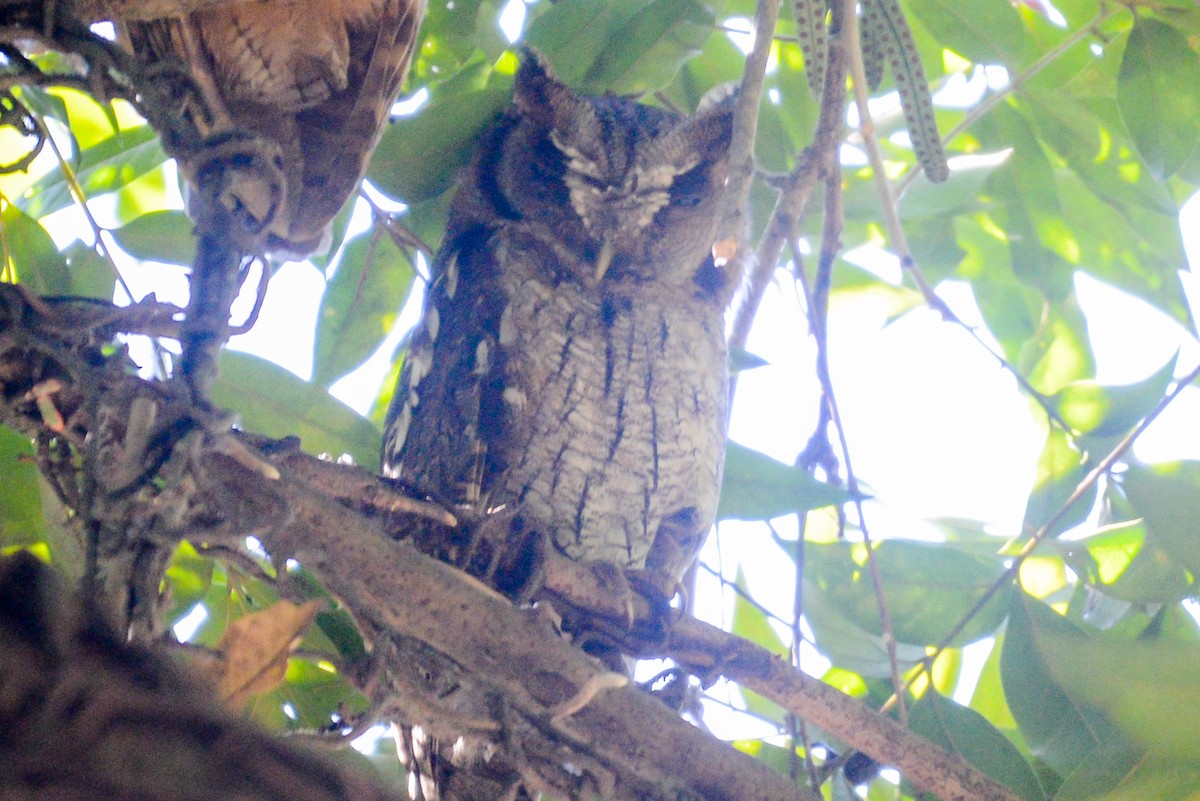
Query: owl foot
x,y
604,637
505,554
670,686
245,173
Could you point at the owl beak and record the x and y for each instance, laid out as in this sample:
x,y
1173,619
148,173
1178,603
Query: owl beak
x,y
603,260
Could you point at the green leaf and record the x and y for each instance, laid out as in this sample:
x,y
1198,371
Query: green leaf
x,y
986,33
454,32
273,401
1058,728
1115,772
1061,468
105,167
1158,91
847,644
928,588
750,621
756,487
1092,408
165,236
988,697
91,275
965,733
189,579
1059,352
1168,497
316,692
419,156
21,520
361,303
1118,561
39,265
741,360
1149,688
624,46
959,193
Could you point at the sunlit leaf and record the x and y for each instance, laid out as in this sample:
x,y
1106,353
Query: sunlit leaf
x,y
272,401
1168,497
189,579
988,697
105,167
1060,470
1120,562
1159,94
965,733
1092,408
166,236
928,588
756,487
360,305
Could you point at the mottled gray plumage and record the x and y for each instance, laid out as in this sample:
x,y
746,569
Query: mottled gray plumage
x,y
571,361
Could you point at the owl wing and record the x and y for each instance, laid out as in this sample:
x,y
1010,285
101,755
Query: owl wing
x,y
316,78
338,136
447,415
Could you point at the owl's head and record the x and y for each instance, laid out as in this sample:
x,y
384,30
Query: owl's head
x,y
634,190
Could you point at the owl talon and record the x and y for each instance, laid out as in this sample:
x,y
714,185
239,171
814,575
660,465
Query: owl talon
x,y
608,640
245,172
505,554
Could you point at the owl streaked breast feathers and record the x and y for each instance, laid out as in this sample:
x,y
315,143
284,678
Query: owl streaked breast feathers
x,y
316,77
571,360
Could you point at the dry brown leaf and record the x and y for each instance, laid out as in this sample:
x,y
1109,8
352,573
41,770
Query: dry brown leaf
x,y
256,649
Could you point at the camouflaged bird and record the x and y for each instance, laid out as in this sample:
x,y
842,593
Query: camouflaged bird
x,y
317,78
571,361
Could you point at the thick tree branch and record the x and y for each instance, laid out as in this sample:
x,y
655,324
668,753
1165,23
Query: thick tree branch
x,y
501,673
169,474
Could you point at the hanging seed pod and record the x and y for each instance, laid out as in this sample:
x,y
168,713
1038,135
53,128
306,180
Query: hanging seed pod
x,y
813,37
886,17
871,40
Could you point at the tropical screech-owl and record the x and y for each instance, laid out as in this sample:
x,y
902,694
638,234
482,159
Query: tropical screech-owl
x,y
571,361
315,77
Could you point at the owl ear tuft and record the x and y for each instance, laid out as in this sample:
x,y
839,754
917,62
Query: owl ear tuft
x,y
536,82
720,99
542,96
709,130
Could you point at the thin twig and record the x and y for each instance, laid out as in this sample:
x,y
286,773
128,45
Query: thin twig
x,y
846,11
733,222
80,198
